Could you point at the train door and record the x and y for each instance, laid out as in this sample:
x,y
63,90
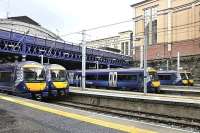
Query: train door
x,y
77,80
112,79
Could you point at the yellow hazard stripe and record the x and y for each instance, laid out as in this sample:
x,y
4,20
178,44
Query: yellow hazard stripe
x,y
124,128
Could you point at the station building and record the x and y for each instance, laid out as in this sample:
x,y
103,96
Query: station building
x,y
170,26
27,26
122,43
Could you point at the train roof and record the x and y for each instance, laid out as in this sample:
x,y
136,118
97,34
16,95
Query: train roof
x,y
112,70
24,64
116,70
54,67
30,64
172,71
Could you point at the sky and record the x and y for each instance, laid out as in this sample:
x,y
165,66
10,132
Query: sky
x,y
68,16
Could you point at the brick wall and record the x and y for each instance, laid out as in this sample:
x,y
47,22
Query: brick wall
x,y
160,51
189,60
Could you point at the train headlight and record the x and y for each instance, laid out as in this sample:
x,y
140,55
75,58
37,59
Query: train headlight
x,y
155,84
191,82
185,82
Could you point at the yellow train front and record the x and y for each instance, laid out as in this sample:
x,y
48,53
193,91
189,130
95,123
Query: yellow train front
x,y
33,78
172,77
56,78
26,78
153,82
189,78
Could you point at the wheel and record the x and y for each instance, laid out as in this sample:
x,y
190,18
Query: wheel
x,y
33,96
59,93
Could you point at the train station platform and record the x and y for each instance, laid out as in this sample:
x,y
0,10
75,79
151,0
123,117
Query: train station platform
x,y
137,95
21,115
181,90
181,109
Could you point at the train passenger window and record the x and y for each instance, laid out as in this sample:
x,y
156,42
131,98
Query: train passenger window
x,y
5,76
126,77
91,77
164,77
103,77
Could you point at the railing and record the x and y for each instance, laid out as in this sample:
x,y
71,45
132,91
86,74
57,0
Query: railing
x,y
30,45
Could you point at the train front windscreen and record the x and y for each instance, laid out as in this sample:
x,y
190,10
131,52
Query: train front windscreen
x,y
58,75
34,74
183,76
153,76
189,75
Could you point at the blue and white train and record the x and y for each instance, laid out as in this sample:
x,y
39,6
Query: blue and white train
x,y
122,79
24,77
56,77
175,78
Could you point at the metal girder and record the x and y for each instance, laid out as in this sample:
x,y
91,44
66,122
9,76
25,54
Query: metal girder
x,y
10,43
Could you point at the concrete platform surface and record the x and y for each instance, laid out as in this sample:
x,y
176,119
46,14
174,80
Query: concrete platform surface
x,y
138,95
19,115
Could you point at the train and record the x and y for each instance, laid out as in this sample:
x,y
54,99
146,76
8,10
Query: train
x,y
56,77
23,77
121,79
173,77
34,80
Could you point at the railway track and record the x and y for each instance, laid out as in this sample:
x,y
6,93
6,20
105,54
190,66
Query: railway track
x,y
182,123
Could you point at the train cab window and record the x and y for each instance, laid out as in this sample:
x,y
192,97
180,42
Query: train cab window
x,y
164,77
103,77
34,74
189,75
58,75
126,77
183,76
5,76
153,76
91,77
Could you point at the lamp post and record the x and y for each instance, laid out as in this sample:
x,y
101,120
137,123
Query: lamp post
x,y
143,58
97,62
178,61
83,59
145,61
97,65
42,59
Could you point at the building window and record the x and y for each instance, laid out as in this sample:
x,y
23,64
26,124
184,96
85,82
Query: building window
x,y
150,15
126,48
122,47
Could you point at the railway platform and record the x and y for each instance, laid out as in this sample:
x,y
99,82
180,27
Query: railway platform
x,y
21,115
168,108
181,90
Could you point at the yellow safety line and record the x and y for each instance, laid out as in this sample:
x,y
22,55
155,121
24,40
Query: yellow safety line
x,y
103,123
